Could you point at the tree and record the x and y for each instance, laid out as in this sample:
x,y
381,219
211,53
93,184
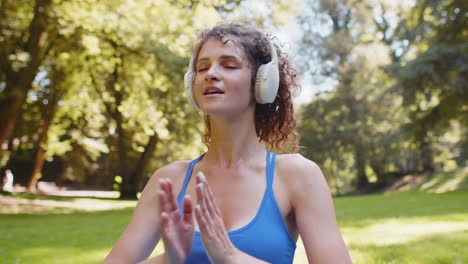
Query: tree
x,y
21,55
434,81
335,53
106,98
401,78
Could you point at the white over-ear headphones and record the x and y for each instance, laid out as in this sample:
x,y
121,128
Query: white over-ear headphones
x,y
266,81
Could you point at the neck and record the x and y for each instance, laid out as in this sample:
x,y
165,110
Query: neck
x,y
233,141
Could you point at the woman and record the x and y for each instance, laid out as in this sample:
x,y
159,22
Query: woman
x,y
251,203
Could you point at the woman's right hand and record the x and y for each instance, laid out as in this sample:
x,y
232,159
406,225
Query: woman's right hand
x,y
176,230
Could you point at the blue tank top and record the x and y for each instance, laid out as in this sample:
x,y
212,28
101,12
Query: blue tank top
x,y
266,237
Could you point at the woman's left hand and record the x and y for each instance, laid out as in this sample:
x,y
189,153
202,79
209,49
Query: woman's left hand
x,y
176,230
214,236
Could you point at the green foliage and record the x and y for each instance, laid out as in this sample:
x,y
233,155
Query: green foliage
x,y
401,89
115,71
433,82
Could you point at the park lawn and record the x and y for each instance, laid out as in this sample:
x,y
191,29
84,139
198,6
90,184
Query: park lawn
x,y
405,227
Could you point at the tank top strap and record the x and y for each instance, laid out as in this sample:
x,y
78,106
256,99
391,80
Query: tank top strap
x,y
270,169
188,174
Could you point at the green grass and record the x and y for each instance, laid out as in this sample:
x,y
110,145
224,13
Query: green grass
x,y
60,238
404,227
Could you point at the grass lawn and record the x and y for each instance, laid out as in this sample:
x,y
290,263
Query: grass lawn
x,y
404,227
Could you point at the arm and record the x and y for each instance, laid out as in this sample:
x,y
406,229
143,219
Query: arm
x,y
315,214
141,235
157,215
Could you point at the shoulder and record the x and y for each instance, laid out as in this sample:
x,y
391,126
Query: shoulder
x,y
173,171
300,175
297,166
295,162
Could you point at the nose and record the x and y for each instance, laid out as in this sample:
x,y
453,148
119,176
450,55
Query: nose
x,y
212,74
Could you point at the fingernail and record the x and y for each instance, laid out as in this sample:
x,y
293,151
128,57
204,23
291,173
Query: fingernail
x,y
200,185
198,208
201,176
187,196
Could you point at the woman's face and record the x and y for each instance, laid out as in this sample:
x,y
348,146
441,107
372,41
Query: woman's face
x,y
223,78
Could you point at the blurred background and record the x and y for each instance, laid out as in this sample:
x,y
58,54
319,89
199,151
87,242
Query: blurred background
x,y
92,97
92,92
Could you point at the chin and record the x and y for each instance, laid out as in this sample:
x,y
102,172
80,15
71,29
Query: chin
x,y
224,111
214,111
215,108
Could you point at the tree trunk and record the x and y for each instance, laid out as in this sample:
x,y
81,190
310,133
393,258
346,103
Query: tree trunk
x,y
362,181
47,115
378,166
39,155
38,162
10,106
426,155
19,81
129,184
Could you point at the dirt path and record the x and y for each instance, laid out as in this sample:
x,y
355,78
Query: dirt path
x,y
53,199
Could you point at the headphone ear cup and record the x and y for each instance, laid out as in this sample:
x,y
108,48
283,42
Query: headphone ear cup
x,y
267,83
258,84
188,83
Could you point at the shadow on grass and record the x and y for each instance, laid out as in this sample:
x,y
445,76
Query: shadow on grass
x,y
447,247
25,203
361,210
443,182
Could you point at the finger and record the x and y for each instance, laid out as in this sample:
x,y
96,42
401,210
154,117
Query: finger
x,y
205,190
201,220
162,203
211,213
168,238
208,208
165,207
171,199
163,184
210,221
188,210
200,177
210,202
202,201
199,191
202,197
164,224
176,216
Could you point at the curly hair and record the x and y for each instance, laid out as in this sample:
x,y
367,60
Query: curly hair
x,y
274,122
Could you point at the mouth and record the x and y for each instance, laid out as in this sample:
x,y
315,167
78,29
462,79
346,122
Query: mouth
x,y
212,90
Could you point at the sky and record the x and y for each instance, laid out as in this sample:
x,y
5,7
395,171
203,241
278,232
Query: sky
x,y
291,36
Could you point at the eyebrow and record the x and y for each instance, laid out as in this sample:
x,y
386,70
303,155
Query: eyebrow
x,y
223,57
